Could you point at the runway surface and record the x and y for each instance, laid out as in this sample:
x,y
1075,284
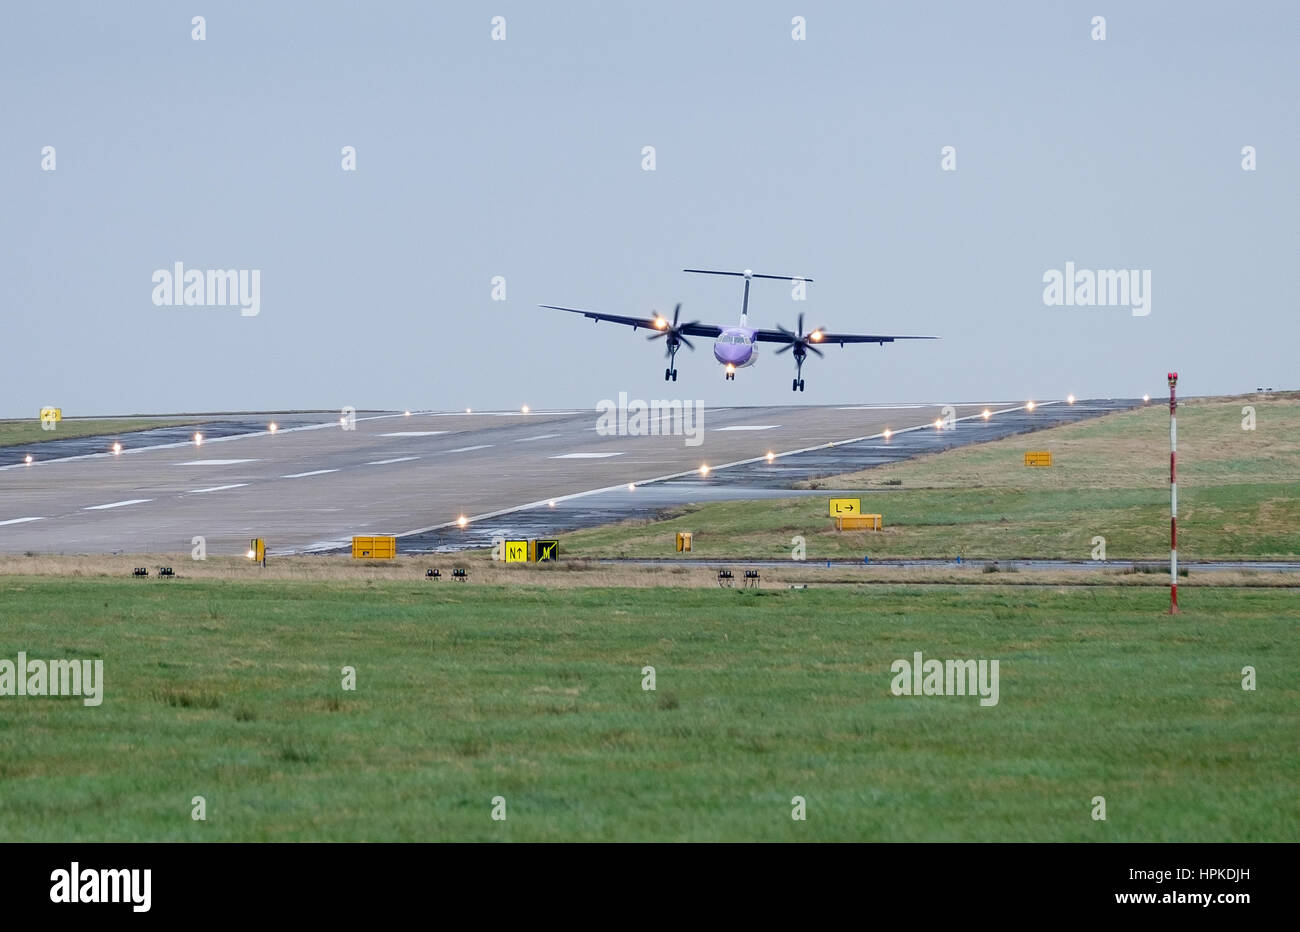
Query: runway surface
x,y
312,484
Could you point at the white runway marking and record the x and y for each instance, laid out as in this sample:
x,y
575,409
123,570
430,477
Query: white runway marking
x,y
214,462
303,475
414,433
583,456
129,501
481,446
219,488
750,427
20,520
538,437
400,459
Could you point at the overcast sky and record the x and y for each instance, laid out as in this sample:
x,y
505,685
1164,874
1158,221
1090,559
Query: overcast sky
x,y
523,158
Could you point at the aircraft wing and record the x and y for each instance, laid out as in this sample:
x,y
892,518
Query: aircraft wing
x,y
650,323
821,337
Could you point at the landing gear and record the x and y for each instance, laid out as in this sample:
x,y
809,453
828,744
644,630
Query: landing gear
x,y
670,374
799,357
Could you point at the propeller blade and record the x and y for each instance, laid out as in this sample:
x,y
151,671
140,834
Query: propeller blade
x,y
656,336
685,342
784,349
801,323
816,350
784,332
677,310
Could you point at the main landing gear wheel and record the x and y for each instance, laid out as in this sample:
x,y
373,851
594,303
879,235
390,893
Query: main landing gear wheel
x,y
674,375
796,385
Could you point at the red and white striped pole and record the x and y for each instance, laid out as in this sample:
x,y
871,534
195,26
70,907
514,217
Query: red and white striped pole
x,y
1173,494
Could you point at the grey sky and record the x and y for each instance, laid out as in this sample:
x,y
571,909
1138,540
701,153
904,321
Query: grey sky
x,y
522,158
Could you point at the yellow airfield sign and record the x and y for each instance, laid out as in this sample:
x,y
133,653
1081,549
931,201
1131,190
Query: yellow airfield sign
x,y
845,506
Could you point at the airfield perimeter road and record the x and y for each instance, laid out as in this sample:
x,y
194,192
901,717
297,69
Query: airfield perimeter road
x,y
313,486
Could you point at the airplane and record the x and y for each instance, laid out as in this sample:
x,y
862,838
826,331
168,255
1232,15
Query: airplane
x,y
736,347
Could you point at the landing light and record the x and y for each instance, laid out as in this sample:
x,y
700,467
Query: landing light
x,y
730,368
660,323
815,336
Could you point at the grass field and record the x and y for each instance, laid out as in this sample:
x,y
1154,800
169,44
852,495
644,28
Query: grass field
x,y
232,690
28,430
1238,497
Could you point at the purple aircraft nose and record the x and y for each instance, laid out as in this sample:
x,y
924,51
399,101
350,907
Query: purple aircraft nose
x,y
735,354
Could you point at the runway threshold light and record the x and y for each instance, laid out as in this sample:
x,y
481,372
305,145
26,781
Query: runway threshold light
x,y
273,427
704,469
1029,406
1069,399
28,461
938,422
117,448
462,521
987,414
770,456
198,440
408,413
631,486
888,433
551,503
1146,398
525,409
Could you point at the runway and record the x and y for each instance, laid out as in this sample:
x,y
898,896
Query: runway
x,y
313,484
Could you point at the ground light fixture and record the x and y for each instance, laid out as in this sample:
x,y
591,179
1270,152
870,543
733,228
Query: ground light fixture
x,y
1029,406
987,414
462,521
117,448
704,469
198,440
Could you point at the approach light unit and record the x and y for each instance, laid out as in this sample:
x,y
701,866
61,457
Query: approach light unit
x,y
1029,406
462,521
770,456
888,433
631,486
704,469
198,440
1069,399
987,414
408,414
117,448
273,427
938,423
551,503
525,409
28,460
1146,399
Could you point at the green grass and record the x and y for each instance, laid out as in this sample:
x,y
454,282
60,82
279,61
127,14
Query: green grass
x,y
29,430
232,691
1238,498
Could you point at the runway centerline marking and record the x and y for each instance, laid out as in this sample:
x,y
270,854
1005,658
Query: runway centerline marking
x,y
129,501
481,446
20,520
303,475
584,456
399,459
215,462
414,433
538,437
218,488
750,427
